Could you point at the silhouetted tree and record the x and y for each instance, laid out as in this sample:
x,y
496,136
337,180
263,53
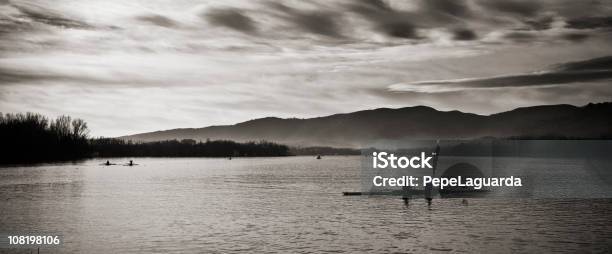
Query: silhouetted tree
x,y
32,137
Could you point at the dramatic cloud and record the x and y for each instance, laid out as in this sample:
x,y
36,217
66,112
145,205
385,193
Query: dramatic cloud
x,y
22,18
81,76
575,37
572,72
527,8
520,36
158,20
12,76
166,64
390,22
317,22
231,18
590,22
540,23
464,35
596,64
457,8
45,16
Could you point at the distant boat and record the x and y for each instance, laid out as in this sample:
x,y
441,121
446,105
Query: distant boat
x,y
131,163
108,163
318,157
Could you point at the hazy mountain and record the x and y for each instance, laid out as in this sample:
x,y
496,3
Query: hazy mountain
x,y
362,128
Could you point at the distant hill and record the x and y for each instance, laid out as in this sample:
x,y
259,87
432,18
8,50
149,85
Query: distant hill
x,y
361,128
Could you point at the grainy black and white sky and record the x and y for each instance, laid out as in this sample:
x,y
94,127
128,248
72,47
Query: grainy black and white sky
x,y
143,65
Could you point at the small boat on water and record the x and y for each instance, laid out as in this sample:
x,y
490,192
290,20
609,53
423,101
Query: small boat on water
x,y
131,163
107,163
318,157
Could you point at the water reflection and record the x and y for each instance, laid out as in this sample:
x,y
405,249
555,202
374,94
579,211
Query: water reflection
x,y
276,204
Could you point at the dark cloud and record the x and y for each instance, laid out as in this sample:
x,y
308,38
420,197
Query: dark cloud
x,y
399,28
540,23
405,24
457,8
371,5
387,20
590,22
316,22
518,20
519,36
572,72
158,20
526,8
25,19
537,79
16,76
48,17
9,26
575,37
597,64
464,34
231,18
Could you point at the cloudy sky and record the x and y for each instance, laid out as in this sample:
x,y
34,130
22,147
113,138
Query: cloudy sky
x,y
144,65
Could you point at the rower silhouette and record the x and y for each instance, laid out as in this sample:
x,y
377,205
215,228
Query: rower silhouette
x,y
429,187
428,194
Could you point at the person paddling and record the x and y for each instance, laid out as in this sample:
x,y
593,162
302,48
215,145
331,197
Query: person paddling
x,y
406,194
429,186
428,194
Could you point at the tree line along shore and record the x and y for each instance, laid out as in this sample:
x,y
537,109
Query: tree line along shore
x,y
31,138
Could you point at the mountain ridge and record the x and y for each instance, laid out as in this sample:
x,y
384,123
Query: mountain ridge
x,y
360,128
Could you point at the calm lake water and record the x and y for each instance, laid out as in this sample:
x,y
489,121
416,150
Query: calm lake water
x,y
291,204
